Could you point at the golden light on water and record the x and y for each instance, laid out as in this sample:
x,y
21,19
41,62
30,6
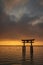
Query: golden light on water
x,y
10,43
19,43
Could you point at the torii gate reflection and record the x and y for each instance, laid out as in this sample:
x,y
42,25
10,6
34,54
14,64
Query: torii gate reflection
x,y
24,51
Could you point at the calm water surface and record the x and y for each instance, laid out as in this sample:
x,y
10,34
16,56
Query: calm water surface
x,y
18,55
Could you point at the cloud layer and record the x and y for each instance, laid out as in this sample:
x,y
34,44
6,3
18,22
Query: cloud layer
x,y
21,19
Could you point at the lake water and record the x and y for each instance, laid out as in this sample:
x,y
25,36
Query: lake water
x,y
18,55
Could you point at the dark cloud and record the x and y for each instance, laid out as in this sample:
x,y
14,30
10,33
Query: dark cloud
x,y
25,21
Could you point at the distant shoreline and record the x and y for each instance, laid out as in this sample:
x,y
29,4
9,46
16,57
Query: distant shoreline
x,y
20,45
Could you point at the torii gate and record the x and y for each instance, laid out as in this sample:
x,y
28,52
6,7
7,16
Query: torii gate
x,y
24,49
28,41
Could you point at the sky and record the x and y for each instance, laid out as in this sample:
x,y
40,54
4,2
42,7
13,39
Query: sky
x,y
21,19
